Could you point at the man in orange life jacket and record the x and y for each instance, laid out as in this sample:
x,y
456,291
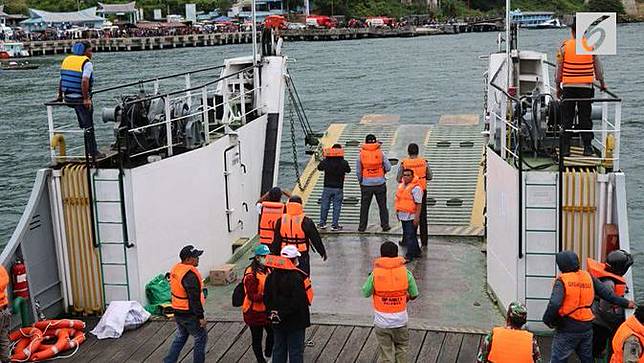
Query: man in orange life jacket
x,y
628,343
371,167
574,77
287,295
409,197
391,286
424,173
186,288
608,317
270,208
569,309
5,316
253,309
510,344
294,228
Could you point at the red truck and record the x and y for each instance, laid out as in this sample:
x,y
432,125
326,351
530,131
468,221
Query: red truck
x,y
320,21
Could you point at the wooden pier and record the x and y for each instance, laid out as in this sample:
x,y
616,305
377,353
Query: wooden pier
x,y
230,342
37,48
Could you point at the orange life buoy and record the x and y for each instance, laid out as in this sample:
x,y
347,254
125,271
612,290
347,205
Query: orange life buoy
x,y
29,341
50,351
45,325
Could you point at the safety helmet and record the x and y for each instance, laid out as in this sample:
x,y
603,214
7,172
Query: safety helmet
x,y
618,262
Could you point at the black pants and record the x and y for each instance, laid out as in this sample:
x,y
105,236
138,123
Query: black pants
x,y
602,337
257,333
583,109
85,118
366,194
305,262
422,227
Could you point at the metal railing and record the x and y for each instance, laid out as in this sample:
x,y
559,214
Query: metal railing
x,y
233,87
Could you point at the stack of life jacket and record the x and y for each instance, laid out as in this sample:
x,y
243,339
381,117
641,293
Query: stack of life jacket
x,y
271,212
291,228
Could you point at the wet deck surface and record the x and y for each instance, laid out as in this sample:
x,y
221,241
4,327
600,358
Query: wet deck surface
x,y
450,278
230,342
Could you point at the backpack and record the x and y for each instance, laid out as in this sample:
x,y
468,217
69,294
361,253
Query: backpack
x,y
239,294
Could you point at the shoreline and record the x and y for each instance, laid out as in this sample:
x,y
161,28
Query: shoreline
x,y
49,47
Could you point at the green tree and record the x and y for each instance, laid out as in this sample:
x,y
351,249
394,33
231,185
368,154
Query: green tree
x,y
606,6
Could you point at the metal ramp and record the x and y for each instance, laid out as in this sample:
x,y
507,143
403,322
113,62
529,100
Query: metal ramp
x,y
351,138
541,238
454,153
111,233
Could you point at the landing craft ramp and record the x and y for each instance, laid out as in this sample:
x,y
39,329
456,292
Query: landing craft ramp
x,y
454,148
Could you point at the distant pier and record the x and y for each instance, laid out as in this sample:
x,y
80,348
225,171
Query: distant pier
x,y
37,48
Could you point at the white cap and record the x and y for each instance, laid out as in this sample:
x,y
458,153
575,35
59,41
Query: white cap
x,y
290,251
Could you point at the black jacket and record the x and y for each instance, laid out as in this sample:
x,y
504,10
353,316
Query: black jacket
x,y
284,292
567,262
190,283
334,169
310,231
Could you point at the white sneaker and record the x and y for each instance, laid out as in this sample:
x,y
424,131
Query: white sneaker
x,y
322,225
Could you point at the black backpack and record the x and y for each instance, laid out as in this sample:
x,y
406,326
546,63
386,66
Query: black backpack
x,y
239,294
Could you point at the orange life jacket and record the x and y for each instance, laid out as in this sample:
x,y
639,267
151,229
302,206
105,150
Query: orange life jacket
x,y
405,198
261,278
291,228
598,269
179,298
510,346
283,263
371,161
271,212
330,152
579,296
577,68
631,326
390,285
419,166
4,282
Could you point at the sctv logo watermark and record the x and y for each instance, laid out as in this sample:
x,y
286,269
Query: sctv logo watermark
x,y
596,33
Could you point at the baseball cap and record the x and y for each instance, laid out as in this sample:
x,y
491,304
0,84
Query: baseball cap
x,y
290,252
189,251
370,139
262,250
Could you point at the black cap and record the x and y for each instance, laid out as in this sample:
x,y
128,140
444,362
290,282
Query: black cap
x,y
370,139
189,251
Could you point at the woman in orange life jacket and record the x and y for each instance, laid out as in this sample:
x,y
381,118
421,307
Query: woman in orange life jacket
x,y
608,317
510,344
253,309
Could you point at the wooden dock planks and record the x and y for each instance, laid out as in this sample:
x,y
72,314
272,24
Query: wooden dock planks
x,y
231,342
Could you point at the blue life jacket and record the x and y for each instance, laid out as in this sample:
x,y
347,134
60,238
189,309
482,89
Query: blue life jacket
x,y
71,74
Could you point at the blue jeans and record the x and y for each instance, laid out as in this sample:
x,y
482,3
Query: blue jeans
x,y
188,326
329,195
288,343
410,239
564,344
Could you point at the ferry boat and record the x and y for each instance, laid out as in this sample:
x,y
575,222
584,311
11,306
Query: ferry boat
x,y
535,19
12,50
188,165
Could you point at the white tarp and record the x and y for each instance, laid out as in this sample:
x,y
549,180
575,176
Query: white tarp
x,y
119,316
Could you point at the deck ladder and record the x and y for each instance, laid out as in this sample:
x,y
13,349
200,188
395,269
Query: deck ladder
x,y
111,233
540,239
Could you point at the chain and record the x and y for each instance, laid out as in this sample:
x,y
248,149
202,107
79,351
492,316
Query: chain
x,y
294,150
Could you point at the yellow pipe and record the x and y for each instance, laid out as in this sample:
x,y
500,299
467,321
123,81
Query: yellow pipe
x,y
58,140
564,204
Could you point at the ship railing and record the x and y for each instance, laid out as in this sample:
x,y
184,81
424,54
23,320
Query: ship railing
x,y
234,108
230,113
610,130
